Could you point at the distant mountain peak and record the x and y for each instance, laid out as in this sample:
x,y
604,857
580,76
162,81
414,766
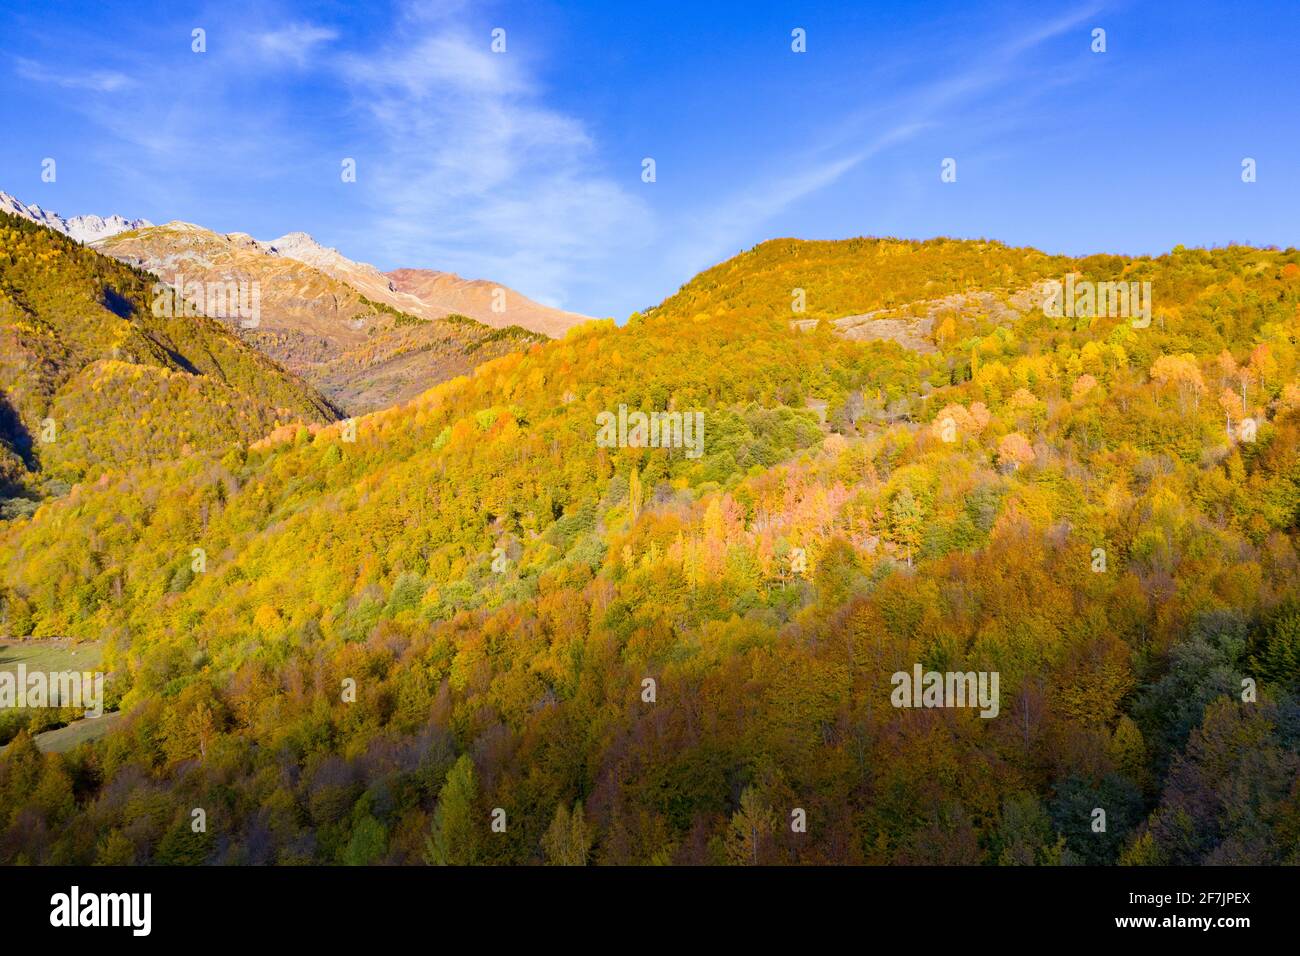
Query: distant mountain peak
x,y
84,229
297,240
360,275
489,302
301,246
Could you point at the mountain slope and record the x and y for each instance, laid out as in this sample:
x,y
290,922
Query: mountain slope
x,y
812,280
688,642
94,380
488,302
361,276
429,294
316,317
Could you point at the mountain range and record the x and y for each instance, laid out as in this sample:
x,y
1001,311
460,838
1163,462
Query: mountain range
x,y
366,340
84,229
94,378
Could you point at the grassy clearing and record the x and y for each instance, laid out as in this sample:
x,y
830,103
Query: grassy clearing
x,y
53,657
50,656
66,738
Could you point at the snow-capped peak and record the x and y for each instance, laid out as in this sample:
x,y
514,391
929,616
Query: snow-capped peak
x,y
84,229
87,229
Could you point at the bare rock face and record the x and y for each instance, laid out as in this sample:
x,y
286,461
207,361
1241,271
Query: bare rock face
x,y
488,302
428,293
913,325
335,322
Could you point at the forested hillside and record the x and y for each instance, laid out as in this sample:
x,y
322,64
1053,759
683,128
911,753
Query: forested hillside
x,y
639,655
854,275
93,380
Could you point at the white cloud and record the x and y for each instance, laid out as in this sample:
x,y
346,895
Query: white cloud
x,y
740,216
295,43
99,81
473,169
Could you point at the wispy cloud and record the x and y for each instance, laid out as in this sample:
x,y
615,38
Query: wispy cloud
x,y
185,133
736,219
477,170
99,81
296,43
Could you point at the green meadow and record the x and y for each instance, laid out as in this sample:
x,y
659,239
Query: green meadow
x,y
54,731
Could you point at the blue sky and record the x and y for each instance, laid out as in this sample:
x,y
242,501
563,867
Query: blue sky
x,y
525,166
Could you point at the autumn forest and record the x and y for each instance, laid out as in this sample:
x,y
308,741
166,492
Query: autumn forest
x,y
460,630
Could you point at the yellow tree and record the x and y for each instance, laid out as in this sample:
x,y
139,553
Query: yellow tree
x,y
751,825
1183,372
635,493
567,841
